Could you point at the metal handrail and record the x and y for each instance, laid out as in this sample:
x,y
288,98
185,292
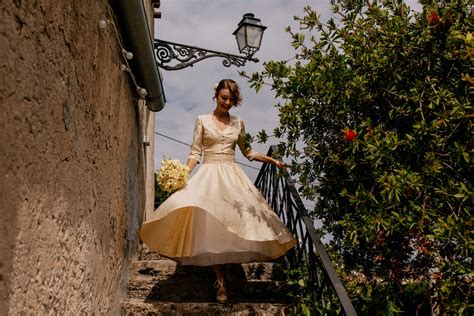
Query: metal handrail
x,y
309,253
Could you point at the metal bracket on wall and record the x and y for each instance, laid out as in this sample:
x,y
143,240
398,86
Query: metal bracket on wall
x,y
187,56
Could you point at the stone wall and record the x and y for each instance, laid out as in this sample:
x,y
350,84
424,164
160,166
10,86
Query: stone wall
x,y
71,161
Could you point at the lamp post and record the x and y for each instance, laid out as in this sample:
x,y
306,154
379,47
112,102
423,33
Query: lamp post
x,y
248,34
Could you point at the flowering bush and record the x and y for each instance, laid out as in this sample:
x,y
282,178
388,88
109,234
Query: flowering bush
x,y
396,197
172,175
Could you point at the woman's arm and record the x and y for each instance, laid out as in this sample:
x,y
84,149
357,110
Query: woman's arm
x,y
196,147
253,155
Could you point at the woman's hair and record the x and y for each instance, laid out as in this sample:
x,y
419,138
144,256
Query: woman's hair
x,y
234,89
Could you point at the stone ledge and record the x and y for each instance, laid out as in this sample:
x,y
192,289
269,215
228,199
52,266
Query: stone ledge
x,y
146,254
183,290
140,307
164,269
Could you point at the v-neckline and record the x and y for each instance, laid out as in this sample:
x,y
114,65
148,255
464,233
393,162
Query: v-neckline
x,y
215,125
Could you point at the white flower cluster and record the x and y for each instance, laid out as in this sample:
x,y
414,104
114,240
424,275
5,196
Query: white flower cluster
x,y
172,175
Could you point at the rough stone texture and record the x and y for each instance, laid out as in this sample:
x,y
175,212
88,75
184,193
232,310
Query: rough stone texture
x,y
71,164
146,254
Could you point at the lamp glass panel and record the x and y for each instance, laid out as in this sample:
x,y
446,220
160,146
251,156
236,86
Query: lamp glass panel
x,y
240,36
254,36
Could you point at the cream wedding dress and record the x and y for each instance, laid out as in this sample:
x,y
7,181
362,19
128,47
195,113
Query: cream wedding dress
x,y
219,216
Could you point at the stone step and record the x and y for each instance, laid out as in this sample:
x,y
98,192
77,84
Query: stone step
x,y
164,269
185,290
140,307
146,254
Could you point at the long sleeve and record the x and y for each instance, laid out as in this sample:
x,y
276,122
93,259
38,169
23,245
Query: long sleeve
x,y
196,146
246,150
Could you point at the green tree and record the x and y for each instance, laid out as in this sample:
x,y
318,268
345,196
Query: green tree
x,y
378,120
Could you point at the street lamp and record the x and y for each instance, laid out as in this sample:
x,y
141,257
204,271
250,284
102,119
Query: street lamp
x,y
248,35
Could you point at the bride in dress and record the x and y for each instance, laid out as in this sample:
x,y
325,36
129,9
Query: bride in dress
x,y
219,217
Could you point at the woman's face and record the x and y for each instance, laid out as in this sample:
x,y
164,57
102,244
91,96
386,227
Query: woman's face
x,y
224,100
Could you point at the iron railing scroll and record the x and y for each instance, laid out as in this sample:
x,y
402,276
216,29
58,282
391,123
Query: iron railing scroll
x,y
175,56
309,254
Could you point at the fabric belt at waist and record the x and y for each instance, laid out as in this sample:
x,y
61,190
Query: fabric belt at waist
x,y
218,158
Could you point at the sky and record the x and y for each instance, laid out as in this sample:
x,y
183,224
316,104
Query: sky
x,y
189,92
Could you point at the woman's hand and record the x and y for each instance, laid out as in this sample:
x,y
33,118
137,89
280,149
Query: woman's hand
x,y
191,164
280,164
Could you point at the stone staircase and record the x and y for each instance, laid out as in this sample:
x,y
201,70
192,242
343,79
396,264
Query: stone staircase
x,y
157,286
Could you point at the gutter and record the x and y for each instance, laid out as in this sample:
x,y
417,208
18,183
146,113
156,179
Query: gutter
x,y
137,39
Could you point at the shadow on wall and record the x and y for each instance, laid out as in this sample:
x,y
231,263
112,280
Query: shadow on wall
x,y
134,207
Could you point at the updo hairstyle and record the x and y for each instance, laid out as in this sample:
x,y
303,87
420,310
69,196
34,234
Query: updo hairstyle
x,y
233,88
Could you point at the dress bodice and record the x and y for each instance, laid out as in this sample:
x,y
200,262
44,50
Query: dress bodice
x,y
218,145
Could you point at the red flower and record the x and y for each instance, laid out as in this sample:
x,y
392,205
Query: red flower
x,y
433,18
350,135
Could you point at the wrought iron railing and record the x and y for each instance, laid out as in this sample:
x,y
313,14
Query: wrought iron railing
x,y
309,256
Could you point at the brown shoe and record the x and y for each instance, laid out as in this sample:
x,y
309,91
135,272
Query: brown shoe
x,y
221,296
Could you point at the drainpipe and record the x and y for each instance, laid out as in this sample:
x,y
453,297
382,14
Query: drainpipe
x,y
137,39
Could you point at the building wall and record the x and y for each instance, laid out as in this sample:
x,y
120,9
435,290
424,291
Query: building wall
x,y
72,162
149,129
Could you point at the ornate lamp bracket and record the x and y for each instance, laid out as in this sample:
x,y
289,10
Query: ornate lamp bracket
x,y
185,56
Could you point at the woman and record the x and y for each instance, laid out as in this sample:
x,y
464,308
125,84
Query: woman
x,y
219,217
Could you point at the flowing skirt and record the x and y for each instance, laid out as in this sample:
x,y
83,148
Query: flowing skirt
x,y
219,217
